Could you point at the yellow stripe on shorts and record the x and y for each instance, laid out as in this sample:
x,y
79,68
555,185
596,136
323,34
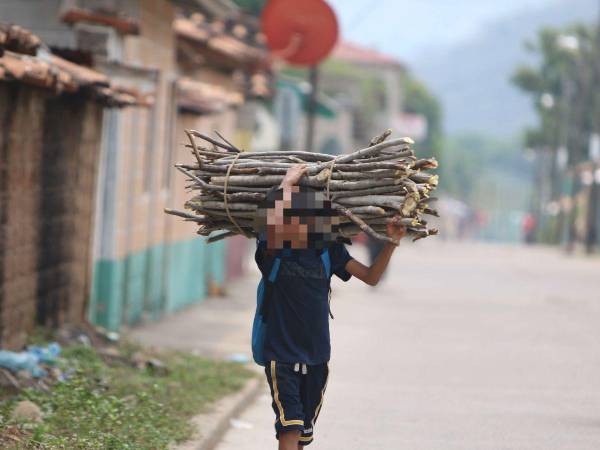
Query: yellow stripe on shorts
x,y
284,422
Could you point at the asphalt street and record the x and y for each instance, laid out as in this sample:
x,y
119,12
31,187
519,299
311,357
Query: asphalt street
x,y
463,346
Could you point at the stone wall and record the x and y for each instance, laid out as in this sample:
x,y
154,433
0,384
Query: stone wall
x,y
21,113
72,128
48,152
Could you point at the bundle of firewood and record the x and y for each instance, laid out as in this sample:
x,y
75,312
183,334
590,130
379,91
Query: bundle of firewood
x,y
367,187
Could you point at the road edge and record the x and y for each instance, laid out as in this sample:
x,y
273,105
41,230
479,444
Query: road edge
x,y
212,425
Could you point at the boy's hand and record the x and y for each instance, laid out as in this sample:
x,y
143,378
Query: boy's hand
x,y
395,229
293,175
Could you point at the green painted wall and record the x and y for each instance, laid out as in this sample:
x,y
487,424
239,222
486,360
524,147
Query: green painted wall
x,y
216,261
155,281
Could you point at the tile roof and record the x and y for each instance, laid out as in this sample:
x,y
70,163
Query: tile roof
x,y
21,61
18,39
122,24
355,53
205,98
237,45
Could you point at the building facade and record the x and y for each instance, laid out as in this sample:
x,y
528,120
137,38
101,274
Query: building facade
x,y
141,263
50,132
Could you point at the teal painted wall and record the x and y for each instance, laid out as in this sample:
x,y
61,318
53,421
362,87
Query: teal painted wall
x,y
186,273
216,261
155,281
106,298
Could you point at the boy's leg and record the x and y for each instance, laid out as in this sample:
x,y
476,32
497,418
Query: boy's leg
x,y
284,384
288,440
312,393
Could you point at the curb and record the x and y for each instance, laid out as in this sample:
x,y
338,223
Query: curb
x,y
215,422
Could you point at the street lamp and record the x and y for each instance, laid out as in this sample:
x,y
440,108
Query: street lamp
x,y
568,42
562,158
587,177
547,100
594,148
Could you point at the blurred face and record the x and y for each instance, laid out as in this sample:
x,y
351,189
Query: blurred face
x,y
300,226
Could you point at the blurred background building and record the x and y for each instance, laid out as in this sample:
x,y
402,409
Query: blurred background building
x,y
96,95
100,93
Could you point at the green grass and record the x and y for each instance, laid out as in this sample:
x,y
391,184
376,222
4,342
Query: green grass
x,y
117,406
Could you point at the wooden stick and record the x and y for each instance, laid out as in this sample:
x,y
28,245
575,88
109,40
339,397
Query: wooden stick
x,y
363,226
372,210
390,201
194,148
371,191
214,142
221,236
368,187
372,150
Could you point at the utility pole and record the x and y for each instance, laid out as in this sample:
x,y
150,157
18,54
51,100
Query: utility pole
x,y
562,167
581,136
561,158
312,108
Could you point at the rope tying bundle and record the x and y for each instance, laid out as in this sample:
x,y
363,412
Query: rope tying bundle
x,y
237,225
329,177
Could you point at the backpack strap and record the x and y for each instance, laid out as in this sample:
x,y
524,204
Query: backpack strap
x,y
268,288
274,270
275,262
326,261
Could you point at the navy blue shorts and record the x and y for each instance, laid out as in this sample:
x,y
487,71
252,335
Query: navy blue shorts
x,y
297,397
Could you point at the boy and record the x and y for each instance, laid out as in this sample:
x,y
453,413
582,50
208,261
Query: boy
x,y
299,227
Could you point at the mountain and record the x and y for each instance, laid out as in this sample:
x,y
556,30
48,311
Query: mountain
x,y
472,79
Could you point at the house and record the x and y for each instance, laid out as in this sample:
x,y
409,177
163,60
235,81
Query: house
x,y
332,119
359,96
51,121
195,64
223,72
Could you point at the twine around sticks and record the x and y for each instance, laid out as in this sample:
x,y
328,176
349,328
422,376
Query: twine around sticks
x,y
231,218
329,177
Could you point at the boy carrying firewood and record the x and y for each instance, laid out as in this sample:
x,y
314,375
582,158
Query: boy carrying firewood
x,y
297,252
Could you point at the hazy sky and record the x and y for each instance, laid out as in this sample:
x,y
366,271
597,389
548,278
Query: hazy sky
x,y
406,27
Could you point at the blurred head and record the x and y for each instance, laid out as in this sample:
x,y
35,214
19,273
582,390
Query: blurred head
x,y
300,218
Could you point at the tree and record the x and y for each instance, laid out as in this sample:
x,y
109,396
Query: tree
x,y
419,100
561,86
564,89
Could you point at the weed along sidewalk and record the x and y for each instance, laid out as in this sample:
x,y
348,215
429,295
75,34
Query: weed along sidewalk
x,y
218,329
164,385
114,396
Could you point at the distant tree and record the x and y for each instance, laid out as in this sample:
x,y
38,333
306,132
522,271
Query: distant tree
x,y
490,175
562,86
418,99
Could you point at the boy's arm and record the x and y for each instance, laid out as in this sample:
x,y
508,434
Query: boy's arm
x,y
293,175
372,274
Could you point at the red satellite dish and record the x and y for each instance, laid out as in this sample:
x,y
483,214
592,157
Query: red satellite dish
x,y
302,32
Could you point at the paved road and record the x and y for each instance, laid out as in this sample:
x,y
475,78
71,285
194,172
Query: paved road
x,y
466,347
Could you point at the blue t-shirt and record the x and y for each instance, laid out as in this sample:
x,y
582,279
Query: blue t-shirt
x,y
298,309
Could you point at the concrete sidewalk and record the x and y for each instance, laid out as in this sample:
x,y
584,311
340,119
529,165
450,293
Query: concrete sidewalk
x,y
218,327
